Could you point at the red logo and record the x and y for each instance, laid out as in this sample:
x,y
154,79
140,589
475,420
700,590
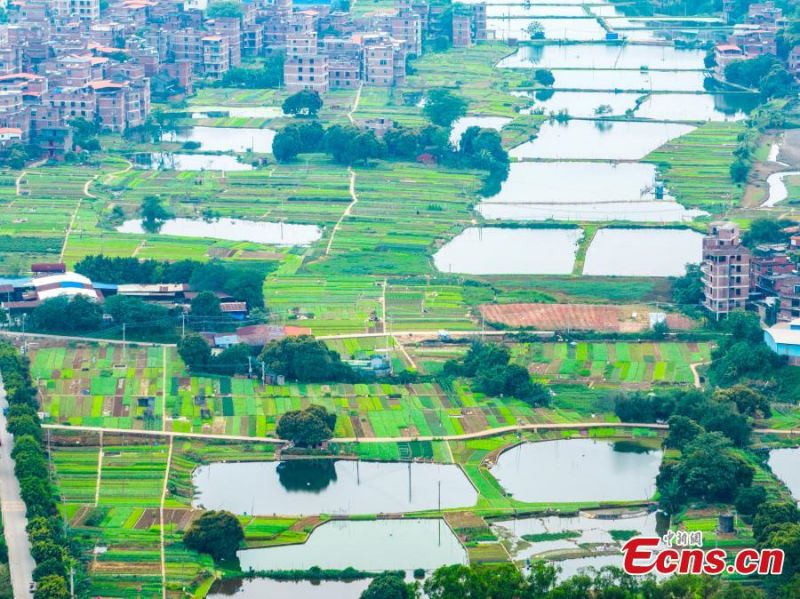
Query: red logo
x,y
648,555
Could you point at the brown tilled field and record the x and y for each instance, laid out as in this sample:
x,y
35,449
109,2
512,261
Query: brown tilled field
x,y
585,317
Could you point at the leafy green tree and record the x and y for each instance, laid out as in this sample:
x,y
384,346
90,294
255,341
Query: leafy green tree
x,y
682,430
233,360
777,83
748,401
535,30
270,75
687,290
305,359
77,314
787,538
304,103
749,73
388,586
195,352
246,285
544,77
153,214
49,567
51,587
306,428
442,107
287,145
137,314
218,533
739,170
708,469
206,305
773,515
749,499
765,230
224,8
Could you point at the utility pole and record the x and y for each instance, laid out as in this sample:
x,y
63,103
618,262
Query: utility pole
x,y
263,374
249,367
124,345
183,325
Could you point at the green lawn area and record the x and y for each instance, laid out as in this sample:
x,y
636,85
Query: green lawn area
x,y
696,167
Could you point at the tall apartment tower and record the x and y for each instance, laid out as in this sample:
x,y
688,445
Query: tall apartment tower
x,y
83,9
726,269
305,66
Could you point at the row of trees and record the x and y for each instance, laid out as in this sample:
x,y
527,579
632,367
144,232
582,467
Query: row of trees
x,y
506,581
301,358
270,75
49,546
490,368
242,282
765,73
478,148
727,411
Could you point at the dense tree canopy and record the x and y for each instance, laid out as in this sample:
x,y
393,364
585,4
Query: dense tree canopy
x,y
488,364
305,103
76,314
443,107
305,359
306,428
217,533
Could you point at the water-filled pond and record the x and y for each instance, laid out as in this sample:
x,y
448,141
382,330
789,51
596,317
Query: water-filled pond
x,y
785,464
232,229
534,10
372,545
604,56
577,470
583,104
643,252
584,29
570,191
249,112
778,191
499,250
484,122
259,588
225,139
589,529
193,162
306,487
645,81
606,140
697,107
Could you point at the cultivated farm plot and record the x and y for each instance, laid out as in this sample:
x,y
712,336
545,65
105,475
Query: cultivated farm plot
x,y
591,317
621,363
125,523
94,384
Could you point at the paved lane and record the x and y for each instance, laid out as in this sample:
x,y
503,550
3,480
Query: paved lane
x,y
14,521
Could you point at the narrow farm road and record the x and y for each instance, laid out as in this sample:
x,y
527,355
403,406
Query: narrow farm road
x,y
347,210
161,522
492,432
99,472
20,561
355,104
695,374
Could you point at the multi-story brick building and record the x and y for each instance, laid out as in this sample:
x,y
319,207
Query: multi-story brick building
x,y
305,66
726,270
469,24
83,9
384,60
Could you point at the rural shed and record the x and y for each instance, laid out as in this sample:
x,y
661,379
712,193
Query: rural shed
x,y
784,340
